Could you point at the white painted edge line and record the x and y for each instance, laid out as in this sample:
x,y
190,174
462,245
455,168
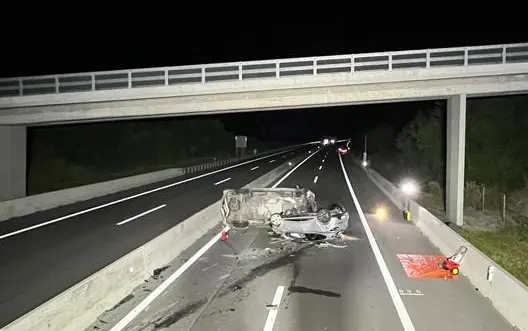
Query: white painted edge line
x,y
142,214
315,179
391,286
272,314
163,286
254,168
223,181
292,170
36,226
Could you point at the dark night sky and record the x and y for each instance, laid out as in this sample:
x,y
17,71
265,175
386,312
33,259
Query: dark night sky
x,y
48,38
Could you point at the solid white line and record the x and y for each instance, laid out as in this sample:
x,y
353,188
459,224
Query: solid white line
x,y
223,181
320,167
163,286
272,315
139,215
36,226
391,286
294,168
254,168
315,179
272,161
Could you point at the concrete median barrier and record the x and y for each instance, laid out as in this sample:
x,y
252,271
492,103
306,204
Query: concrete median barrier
x,y
78,307
39,202
507,294
35,203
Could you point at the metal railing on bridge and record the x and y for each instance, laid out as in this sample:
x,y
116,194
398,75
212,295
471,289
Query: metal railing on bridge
x,y
239,71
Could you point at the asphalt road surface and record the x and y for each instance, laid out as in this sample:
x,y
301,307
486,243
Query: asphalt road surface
x,y
252,283
40,261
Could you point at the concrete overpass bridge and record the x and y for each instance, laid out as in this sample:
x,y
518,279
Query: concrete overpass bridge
x,y
450,73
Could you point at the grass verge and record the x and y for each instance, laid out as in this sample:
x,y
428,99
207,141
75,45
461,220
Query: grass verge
x,y
504,247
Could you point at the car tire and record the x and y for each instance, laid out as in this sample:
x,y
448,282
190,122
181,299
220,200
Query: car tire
x,y
276,220
323,215
340,208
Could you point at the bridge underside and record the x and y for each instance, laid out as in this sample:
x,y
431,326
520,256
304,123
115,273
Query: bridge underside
x,y
301,94
262,100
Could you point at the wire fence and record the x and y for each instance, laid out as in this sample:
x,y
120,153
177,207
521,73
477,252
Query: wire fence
x,y
511,209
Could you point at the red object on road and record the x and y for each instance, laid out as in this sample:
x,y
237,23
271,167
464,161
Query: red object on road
x,y
424,266
450,264
433,266
453,263
224,235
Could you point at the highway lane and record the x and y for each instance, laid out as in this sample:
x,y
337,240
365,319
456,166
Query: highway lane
x,y
23,222
39,264
426,300
324,288
233,285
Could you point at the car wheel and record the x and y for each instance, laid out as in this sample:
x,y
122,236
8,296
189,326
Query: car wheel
x,y
340,209
276,220
323,215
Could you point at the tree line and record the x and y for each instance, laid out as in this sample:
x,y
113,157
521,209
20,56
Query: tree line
x,y
72,155
496,140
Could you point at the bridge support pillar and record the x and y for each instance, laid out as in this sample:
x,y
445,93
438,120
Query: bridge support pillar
x,y
456,146
12,162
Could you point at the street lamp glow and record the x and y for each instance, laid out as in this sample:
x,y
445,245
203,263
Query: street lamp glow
x,y
364,163
409,187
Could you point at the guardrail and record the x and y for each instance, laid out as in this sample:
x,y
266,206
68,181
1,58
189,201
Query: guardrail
x,y
214,164
240,71
44,201
231,160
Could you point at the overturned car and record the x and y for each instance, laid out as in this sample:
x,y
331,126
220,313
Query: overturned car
x,y
289,212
